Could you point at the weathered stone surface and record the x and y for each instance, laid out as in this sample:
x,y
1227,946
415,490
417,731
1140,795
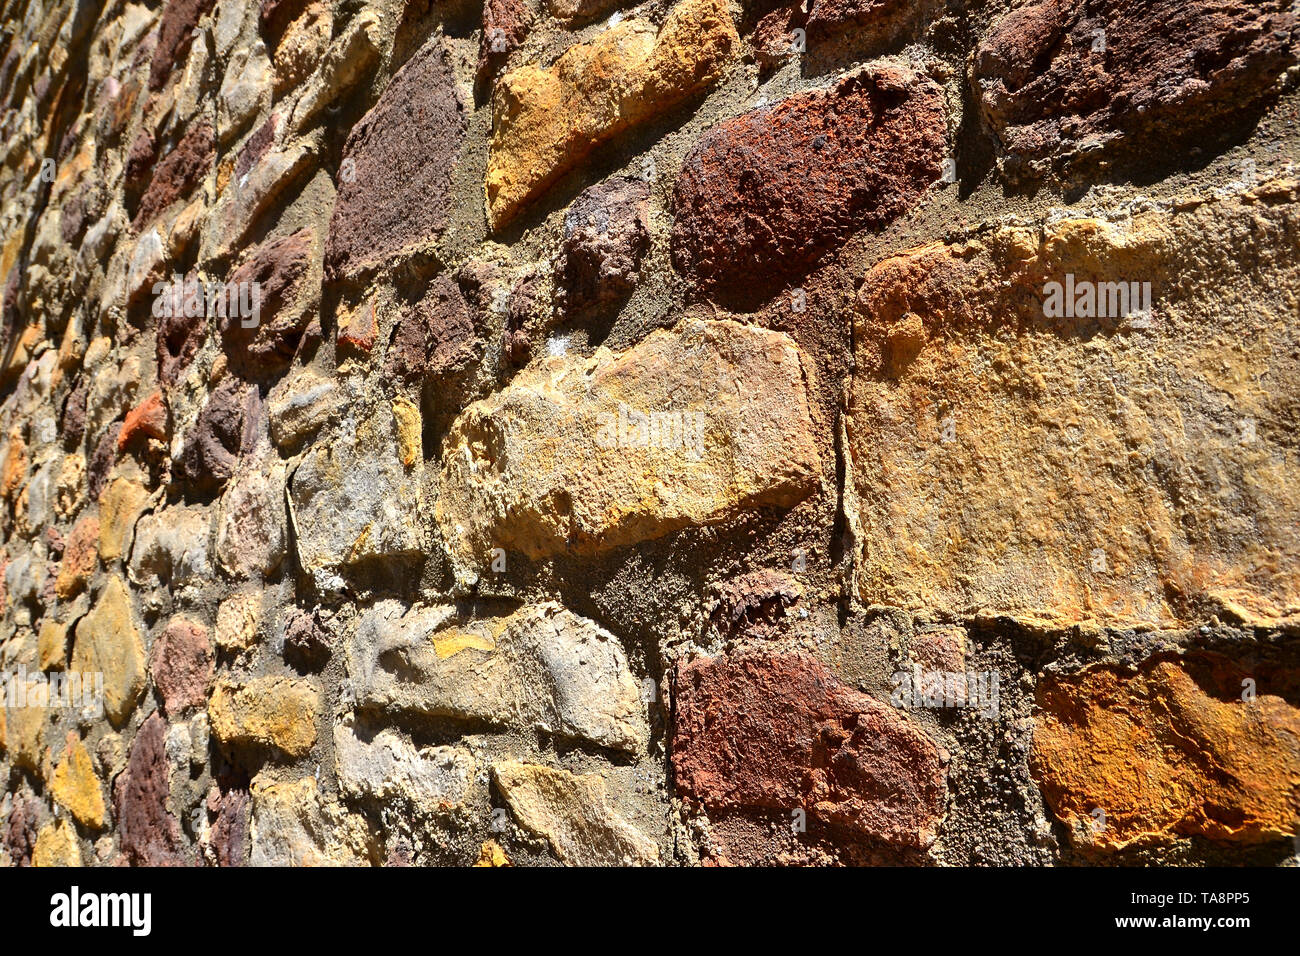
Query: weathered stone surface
x,y
211,446
25,730
293,825
178,173
572,813
754,605
778,732
860,25
56,845
297,410
349,59
582,10
108,642
1169,751
505,24
266,343
52,645
179,338
180,663
147,420
75,785
401,157
387,767
277,713
120,506
545,121
435,336
251,520
246,199
230,838
1064,82
606,235
306,641
490,854
352,497
766,194
238,619
408,423
301,44
147,831
1095,500
172,548
542,668
22,829
176,29
587,455
80,556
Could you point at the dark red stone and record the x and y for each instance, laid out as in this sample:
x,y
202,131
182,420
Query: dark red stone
x,y
229,831
179,339
279,268
778,732
505,25
606,235
24,824
402,154
216,439
761,197
306,643
256,146
179,172
1169,74
435,336
102,460
180,663
175,33
147,832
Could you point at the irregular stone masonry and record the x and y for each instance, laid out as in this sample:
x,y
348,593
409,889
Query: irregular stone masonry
x,y
699,433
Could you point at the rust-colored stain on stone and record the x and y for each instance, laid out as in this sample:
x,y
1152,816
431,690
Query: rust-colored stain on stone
x,y
1129,759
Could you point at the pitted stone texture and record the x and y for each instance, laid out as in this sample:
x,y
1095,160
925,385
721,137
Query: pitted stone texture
x,y
435,336
545,121
294,825
80,555
229,838
505,25
1172,750
264,344
120,506
859,25
57,845
778,732
1008,463
764,195
300,406
566,459
171,548
178,173
606,235
211,446
251,519
181,663
176,29
542,668
1064,82
572,813
75,785
386,767
107,642
275,713
147,831
400,157
353,499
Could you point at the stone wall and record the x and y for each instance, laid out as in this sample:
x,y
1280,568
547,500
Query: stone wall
x,y
693,433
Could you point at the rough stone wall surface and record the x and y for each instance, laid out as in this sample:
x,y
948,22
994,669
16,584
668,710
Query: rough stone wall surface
x,y
701,432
